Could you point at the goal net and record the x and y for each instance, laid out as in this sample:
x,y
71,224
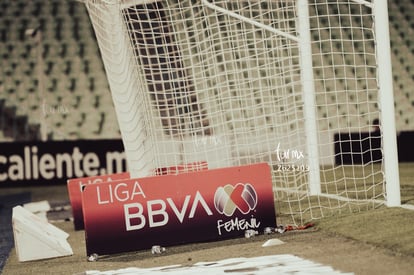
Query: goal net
x,y
232,82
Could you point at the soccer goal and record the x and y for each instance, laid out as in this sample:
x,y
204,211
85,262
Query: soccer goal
x,y
304,85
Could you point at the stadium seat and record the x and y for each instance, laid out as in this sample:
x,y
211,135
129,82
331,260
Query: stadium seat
x,y
74,76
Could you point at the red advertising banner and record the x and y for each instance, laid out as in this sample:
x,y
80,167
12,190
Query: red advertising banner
x,y
182,168
208,205
75,187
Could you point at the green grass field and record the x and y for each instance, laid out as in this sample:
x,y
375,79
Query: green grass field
x,y
387,227
344,190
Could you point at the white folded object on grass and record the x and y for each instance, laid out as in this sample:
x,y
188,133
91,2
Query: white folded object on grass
x,y
37,239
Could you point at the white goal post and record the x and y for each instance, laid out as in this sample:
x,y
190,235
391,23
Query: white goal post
x,y
298,84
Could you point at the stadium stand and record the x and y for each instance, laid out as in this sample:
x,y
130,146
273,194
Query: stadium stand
x,y
402,44
75,101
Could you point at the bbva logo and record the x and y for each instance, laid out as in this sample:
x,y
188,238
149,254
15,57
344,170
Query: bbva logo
x,y
228,198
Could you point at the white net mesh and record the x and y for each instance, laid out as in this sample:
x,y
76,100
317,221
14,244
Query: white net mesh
x,y
220,83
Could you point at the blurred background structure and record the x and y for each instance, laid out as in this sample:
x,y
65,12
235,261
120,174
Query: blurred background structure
x,y
53,84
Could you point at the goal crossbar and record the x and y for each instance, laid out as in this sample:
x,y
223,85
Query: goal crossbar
x,y
250,21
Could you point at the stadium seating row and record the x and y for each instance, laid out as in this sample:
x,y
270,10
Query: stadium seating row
x,y
64,63
75,100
